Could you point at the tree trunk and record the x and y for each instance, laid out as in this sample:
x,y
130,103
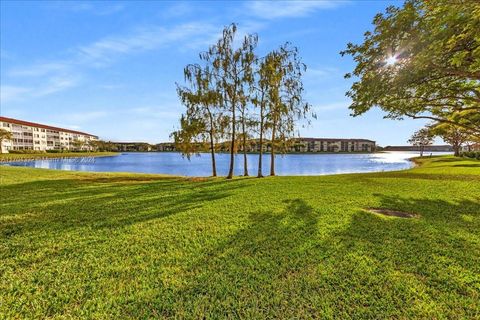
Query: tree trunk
x,y
212,145
212,151
260,174
272,154
244,141
421,150
232,145
456,150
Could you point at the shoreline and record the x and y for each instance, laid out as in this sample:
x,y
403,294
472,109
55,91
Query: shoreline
x,y
16,157
416,161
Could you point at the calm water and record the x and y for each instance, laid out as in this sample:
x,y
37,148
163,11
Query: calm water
x,y
173,163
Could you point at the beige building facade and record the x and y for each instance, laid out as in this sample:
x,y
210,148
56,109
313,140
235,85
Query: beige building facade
x,y
39,137
333,145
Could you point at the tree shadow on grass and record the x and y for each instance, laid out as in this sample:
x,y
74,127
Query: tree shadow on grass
x,y
59,205
243,276
280,266
430,266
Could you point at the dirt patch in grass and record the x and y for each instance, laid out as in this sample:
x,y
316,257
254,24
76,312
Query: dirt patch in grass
x,y
393,213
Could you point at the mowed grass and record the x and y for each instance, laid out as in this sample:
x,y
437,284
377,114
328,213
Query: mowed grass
x,y
81,245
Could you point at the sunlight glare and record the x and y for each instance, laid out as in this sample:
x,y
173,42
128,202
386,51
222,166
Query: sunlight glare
x,y
390,61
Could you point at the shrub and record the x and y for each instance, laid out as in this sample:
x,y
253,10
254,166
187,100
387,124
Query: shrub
x,y
471,154
25,151
57,151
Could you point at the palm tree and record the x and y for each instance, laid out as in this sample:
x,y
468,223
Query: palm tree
x,y
4,135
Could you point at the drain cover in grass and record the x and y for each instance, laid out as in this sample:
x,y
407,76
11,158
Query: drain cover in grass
x,y
393,213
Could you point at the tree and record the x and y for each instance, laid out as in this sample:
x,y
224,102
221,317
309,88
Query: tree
x,y
231,68
246,124
285,104
421,138
94,145
202,118
101,145
4,136
91,145
222,90
421,61
78,144
471,142
259,100
453,135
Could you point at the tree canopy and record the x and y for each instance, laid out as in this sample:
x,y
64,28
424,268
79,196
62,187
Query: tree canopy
x,y
421,138
232,88
5,135
421,61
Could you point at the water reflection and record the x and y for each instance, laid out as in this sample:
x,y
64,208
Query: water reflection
x,y
174,163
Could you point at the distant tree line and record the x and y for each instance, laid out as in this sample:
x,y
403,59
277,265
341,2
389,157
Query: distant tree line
x,y
101,145
234,94
454,135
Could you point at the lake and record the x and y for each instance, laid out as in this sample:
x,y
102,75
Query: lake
x,y
173,163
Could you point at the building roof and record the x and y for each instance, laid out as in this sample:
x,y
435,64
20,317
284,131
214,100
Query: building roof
x,y
39,125
334,139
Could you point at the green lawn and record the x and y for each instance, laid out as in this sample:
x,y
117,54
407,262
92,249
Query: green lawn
x,y
27,156
85,245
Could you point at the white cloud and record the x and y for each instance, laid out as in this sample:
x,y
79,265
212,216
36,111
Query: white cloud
x,y
111,86
10,93
39,70
144,39
75,120
177,10
54,84
159,112
54,76
286,9
340,105
322,73
99,8
84,116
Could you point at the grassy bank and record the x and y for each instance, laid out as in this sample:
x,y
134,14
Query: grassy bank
x,y
31,156
142,246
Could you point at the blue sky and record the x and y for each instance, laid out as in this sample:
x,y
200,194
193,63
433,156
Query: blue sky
x,y
109,68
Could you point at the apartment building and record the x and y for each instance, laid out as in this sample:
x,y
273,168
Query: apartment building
x,y
332,145
39,137
296,145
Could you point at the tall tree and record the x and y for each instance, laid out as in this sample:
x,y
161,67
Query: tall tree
x,y
190,138
231,70
4,136
244,136
247,89
451,134
285,101
201,121
421,138
421,61
259,100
